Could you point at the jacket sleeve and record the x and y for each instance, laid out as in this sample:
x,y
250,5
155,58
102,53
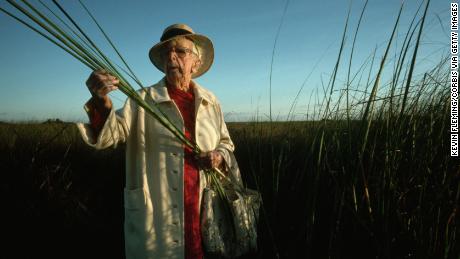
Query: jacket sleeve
x,y
226,148
115,130
225,143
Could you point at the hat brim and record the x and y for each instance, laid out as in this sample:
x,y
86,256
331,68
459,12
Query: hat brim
x,y
203,44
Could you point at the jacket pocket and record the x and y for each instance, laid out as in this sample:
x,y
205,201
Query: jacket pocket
x,y
134,199
138,224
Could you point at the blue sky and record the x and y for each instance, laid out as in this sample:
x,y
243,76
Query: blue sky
x,y
40,81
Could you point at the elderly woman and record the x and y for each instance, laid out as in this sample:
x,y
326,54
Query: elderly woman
x,y
163,179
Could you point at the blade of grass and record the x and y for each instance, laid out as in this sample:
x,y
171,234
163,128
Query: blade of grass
x,y
414,57
366,119
48,38
53,33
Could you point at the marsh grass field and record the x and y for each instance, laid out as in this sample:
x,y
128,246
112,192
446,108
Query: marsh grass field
x,y
368,176
64,200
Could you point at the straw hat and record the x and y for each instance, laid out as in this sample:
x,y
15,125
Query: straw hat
x,y
203,44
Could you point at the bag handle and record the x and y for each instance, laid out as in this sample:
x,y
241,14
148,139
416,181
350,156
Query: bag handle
x,y
230,179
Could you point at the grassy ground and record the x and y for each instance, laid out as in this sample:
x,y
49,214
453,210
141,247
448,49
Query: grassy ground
x,y
63,196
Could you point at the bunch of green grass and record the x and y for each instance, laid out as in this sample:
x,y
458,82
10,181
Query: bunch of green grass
x,y
78,44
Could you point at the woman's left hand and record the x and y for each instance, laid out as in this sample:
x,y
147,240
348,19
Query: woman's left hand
x,y
209,160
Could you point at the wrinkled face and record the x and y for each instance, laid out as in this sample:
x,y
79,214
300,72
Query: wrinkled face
x,y
179,61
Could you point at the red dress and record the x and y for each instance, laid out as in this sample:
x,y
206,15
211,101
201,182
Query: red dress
x,y
185,101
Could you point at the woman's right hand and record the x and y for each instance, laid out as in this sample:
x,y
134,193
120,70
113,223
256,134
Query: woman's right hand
x,y
100,83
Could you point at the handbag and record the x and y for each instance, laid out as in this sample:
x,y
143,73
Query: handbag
x,y
229,226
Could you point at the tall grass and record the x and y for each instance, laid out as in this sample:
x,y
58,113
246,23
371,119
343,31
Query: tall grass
x,y
374,177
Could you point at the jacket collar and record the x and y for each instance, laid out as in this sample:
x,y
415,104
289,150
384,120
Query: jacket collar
x,y
160,94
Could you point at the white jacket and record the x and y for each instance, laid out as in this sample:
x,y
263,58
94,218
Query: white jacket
x,y
154,211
